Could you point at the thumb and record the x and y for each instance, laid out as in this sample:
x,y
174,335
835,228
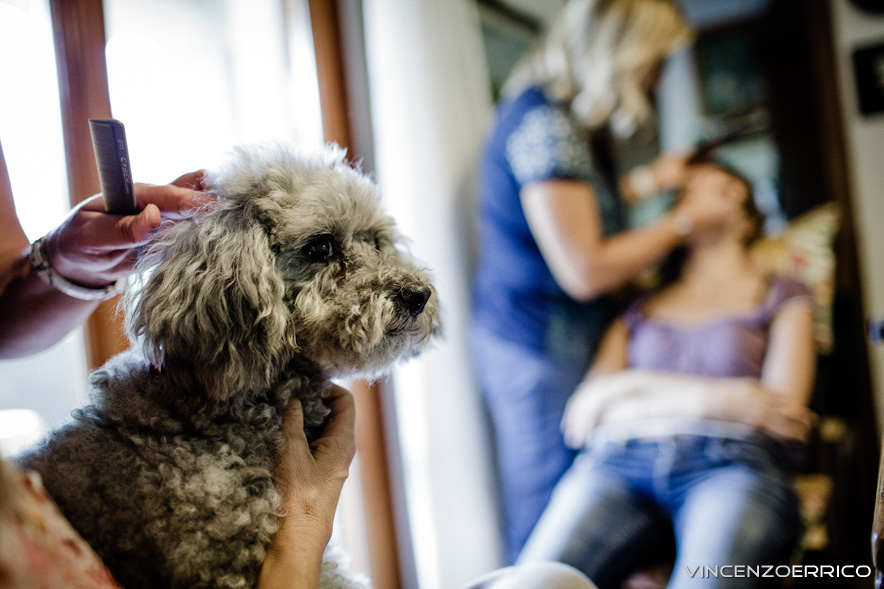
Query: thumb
x,y
137,228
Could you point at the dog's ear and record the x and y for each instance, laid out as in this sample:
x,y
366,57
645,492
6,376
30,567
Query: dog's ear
x,y
211,313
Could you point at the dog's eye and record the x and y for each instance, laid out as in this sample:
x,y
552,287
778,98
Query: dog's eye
x,y
320,249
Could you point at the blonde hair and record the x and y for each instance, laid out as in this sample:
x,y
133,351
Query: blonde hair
x,y
597,54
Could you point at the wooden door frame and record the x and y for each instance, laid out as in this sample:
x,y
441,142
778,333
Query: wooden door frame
x,y
371,441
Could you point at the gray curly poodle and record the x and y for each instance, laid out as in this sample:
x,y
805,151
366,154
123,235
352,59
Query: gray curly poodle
x,y
293,278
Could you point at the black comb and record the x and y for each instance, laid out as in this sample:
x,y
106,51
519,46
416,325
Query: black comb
x,y
704,150
114,173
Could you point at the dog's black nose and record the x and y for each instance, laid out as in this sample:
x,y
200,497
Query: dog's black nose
x,y
414,299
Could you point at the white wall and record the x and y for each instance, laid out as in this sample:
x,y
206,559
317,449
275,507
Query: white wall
x,y
431,102
864,138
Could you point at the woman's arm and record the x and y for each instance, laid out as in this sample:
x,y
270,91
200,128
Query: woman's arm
x,y
667,171
790,360
655,395
606,381
776,403
788,374
22,292
635,395
12,237
311,477
565,222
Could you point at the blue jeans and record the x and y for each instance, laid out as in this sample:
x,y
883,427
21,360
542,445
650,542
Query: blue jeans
x,y
525,394
729,502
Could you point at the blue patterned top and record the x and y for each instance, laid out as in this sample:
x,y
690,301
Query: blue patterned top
x,y
516,296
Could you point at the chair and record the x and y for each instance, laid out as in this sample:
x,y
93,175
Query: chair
x,y
878,529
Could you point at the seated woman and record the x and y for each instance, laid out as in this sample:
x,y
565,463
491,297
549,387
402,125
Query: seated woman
x,y
684,414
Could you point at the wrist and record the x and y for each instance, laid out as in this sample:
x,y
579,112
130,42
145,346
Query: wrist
x,y
625,410
289,564
644,182
302,533
307,524
51,277
737,402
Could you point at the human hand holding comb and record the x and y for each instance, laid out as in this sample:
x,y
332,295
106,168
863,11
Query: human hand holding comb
x,y
96,244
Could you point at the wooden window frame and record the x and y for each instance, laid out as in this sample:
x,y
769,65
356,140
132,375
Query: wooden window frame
x,y
78,32
79,36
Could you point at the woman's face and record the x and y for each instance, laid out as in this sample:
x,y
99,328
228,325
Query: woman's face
x,y
708,181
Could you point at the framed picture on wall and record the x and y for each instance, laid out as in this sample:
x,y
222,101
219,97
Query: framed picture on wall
x,y
507,34
731,78
868,71
870,6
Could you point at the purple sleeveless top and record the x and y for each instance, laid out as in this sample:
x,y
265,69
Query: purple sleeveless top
x,y
728,347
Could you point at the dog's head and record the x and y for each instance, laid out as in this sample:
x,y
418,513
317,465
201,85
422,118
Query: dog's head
x,y
297,258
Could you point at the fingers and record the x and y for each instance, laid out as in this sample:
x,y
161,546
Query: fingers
x,y
94,248
791,423
136,229
98,232
580,418
182,195
294,458
174,202
125,262
804,422
791,432
192,180
336,445
568,427
573,437
342,419
338,439
93,203
293,422
107,232
670,169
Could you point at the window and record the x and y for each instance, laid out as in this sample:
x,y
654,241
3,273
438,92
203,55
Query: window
x,y
190,79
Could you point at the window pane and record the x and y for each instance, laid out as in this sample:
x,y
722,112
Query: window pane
x,y
30,119
191,78
30,129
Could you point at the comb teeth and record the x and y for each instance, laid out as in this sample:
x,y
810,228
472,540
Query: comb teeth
x,y
112,158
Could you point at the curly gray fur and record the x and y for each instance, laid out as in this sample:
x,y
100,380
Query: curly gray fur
x,y
293,278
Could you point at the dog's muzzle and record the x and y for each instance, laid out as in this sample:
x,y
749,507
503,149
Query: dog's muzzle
x,y
414,300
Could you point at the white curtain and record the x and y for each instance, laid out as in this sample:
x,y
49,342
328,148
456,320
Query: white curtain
x,y
431,104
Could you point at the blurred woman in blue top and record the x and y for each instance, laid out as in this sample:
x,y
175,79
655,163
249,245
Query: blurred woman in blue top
x,y
552,227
